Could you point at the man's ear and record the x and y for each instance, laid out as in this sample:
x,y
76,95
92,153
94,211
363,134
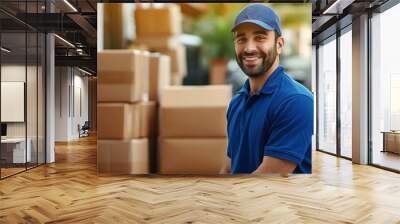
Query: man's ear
x,y
280,42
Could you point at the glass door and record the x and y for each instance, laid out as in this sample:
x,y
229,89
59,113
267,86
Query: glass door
x,y
385,89
346,93
326,82
22,77
13,103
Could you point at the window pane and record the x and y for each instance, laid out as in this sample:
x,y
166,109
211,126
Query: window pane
x,y
346,94
327,97
386,89
14,153
31,100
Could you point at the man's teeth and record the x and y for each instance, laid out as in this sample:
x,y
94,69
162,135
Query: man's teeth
x,y
250,58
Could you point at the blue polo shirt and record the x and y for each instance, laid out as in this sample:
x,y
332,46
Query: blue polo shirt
x,y
277,121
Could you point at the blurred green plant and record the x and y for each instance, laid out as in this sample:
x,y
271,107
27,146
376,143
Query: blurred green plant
x,y
215,31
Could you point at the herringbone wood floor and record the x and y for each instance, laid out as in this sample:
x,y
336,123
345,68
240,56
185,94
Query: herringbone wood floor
x,y
70,191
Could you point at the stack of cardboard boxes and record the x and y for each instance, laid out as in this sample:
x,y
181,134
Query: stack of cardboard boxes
x,y
159,30
193,129
126,119
159,79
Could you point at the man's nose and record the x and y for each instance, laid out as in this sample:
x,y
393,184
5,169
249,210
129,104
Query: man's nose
x,y
250,47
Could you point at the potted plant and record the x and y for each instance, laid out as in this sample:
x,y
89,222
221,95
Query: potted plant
x,y
217,47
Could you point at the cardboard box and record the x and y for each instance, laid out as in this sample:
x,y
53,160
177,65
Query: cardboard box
x,y
126,121
137,46
122,76
125,61
144,72
118,93
118,121
194,111
196,96
191,156
157,42
113,26
178,59
193,122
161,21
176,80
123,156
159,74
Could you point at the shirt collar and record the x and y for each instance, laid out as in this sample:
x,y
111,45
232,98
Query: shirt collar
x,y
269,86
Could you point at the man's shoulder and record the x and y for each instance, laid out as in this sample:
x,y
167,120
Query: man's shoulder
x,y
291,89
292,96
235,99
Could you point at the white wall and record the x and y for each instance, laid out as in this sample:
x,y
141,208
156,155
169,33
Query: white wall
x,y
81,84
13,73
61,103
70,83
16,73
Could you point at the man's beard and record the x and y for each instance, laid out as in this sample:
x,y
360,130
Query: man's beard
x,y
267,62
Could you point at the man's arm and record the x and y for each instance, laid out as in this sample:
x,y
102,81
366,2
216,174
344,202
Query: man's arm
x,y
226,167
290,139
275,165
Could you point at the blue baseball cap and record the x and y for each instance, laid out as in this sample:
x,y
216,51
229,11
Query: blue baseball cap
x,y
261,15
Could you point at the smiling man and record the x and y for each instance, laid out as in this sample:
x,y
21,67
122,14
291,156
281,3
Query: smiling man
x,y
270,120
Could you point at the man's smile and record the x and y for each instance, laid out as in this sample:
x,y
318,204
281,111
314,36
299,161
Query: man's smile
x,y
250,60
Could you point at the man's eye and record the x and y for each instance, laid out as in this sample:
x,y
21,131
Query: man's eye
x,y
260,38
240,40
